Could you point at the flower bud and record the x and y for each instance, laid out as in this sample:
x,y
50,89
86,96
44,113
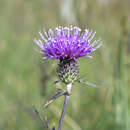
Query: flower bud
x,y
68,70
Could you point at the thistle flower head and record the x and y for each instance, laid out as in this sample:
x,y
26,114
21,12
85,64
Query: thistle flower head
x,y
67,44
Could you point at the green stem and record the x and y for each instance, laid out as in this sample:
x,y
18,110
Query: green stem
x,y
64,106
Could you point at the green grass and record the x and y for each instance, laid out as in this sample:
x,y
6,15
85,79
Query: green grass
x,y
26,82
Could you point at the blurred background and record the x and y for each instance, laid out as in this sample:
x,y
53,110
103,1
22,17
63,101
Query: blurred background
x,y
25,81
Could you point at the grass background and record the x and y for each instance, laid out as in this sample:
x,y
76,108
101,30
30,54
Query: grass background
x,y
26,82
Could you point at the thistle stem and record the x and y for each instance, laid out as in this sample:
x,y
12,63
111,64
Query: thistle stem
x,y
64,106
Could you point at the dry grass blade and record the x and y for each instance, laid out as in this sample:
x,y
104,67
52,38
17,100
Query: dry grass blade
x,y
89,84
57,95
44,122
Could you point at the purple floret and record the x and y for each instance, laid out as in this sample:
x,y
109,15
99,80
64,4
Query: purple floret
x,y
67,43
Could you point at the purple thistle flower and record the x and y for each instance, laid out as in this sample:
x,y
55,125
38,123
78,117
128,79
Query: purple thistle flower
x,y
67,44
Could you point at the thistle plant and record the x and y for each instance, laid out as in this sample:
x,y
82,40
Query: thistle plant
x,y
67,44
